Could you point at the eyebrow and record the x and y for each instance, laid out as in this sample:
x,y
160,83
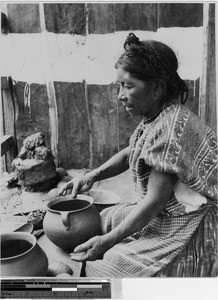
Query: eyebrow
x,y
128,81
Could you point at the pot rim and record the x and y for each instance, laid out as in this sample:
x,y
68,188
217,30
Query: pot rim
x,y
59,199
18,236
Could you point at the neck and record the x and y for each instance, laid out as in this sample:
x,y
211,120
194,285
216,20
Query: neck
x,y
155,112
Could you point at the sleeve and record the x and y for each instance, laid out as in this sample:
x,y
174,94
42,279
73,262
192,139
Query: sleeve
x,y
161,148
182,145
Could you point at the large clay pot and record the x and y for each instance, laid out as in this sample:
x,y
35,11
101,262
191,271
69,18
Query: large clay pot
x,y
22,256
70,222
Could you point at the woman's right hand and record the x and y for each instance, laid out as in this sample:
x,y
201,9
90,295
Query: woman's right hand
x,y
78,184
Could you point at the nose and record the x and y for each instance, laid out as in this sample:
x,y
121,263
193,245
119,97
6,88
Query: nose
x,y
121,95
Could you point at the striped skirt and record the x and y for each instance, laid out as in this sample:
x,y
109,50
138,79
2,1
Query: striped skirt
x,y
166,247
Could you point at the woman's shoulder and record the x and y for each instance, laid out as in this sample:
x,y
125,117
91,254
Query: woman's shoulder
x,y
172,116
176,124
180,116
175,110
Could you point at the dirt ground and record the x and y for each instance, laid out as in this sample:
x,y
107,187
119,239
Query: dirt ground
x,y
11,199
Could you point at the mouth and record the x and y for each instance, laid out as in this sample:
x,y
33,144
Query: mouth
x,y
129,106
130,109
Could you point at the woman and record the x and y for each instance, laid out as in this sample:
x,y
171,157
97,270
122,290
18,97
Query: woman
x,y
172,160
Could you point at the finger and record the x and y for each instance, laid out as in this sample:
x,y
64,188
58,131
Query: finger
x,y
75,188
69,191
64,187
60,193
84,188
81,248
61,190
82,256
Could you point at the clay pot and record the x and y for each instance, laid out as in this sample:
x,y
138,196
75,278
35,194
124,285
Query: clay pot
x,y
70,222
22,256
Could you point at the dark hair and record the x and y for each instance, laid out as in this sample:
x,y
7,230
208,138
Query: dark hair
x,y
148,60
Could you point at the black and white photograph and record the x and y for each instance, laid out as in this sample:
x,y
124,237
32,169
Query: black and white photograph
x,y
108,147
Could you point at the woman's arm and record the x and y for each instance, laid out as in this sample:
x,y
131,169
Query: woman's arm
x,y
114,166
160,187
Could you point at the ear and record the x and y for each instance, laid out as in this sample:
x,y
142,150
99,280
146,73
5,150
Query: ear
x,y
158,88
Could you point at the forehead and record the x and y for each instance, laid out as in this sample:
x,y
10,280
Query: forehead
x,y
123,75
128,78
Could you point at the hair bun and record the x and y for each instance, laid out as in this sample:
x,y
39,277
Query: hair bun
x,y
131,39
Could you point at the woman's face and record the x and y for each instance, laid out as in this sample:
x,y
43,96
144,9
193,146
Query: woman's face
x,y
136,95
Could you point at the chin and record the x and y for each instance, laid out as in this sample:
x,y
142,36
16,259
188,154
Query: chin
x,y
132,112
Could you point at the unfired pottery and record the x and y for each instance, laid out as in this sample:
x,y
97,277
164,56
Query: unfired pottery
x,y
70,222
22,256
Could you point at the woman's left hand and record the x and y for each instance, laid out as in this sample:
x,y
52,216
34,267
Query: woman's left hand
x,y
93,249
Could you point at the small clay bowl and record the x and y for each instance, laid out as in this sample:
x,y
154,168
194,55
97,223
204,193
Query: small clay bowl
x,y
25,228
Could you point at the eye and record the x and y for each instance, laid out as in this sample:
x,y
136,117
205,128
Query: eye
x,y
119,84
128,86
